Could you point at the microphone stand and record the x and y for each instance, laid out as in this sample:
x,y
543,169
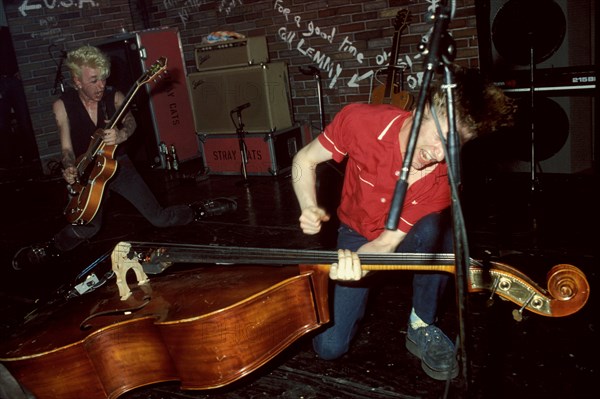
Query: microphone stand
x,y
439,56
311,70
58,80
534,182
241,133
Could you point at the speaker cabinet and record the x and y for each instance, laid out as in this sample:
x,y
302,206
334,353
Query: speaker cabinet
x,y
563,139
560,32
552,33
556,39
265,87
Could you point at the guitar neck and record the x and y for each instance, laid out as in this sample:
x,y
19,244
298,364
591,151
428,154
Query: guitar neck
x,y
118,116
391,73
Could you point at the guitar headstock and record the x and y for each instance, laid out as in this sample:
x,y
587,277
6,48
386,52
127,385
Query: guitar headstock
x,y
153,72
401,20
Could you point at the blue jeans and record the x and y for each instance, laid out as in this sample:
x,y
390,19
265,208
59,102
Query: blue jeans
x,y
432,234
128,183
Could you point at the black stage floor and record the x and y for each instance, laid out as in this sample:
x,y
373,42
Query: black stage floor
x,y
538,357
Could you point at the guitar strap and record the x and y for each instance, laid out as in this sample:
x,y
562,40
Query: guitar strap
x,y
102,115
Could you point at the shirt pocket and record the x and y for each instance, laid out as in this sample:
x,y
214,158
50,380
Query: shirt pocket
x,y
368,179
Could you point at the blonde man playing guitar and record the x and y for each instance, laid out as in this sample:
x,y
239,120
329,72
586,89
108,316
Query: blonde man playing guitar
x,y
81,113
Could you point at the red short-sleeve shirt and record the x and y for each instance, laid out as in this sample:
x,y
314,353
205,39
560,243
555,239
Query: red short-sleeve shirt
x,y
368,135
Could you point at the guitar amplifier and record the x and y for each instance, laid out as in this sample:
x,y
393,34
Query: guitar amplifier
x,y
232,53
264,87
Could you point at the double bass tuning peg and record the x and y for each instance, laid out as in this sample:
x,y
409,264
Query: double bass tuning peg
x,y
517,314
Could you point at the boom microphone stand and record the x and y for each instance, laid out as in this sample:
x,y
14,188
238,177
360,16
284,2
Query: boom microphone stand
x,y
311,70
59,85
241,133
439,56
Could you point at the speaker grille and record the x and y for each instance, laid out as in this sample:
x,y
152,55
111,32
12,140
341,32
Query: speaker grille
x,y
216,93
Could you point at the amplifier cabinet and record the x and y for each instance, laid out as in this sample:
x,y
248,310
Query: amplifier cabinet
x,y
269,153
216,93
232,53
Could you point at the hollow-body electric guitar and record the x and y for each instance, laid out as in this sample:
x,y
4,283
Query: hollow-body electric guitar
x,y
392,92
97,165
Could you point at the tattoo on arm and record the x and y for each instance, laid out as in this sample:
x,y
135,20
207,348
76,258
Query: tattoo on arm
x,y
128,126
68,158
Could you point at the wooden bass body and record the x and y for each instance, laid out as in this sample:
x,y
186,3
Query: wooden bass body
x,y
205,327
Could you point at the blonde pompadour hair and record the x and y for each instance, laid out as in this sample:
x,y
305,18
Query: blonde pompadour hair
x,y
89,56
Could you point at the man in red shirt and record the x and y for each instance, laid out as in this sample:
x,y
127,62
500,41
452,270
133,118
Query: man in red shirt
x,y
374,139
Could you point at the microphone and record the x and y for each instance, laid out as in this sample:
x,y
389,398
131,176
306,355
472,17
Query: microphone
x,y
240,108
58,80
310,70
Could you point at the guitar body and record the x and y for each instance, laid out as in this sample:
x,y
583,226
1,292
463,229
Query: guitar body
x,y
401,99
85,199
97,166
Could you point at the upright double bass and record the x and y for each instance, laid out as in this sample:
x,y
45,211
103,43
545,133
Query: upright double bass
x,y
209,326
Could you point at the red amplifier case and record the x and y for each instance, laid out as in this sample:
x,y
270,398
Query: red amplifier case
x,y
269,154
170,100
163,108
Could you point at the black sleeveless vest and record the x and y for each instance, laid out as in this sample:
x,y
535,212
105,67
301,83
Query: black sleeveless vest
x,y
82,127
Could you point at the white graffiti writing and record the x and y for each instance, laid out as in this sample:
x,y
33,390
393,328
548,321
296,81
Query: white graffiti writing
x,y
51,29
50,33
30,5
322,60
184,8
48,22
296,41
228,5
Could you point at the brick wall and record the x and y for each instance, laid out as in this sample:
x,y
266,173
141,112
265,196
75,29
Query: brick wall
x,y
348,40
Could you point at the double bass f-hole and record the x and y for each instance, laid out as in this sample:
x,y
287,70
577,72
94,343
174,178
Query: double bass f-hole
x,y
85,324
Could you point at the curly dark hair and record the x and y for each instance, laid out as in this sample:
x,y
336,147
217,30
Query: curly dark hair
x,y
481,107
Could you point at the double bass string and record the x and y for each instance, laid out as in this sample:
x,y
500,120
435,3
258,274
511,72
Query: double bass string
x,y
186,253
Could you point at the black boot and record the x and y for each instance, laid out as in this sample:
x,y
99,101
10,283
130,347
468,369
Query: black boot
x,y
213,207
35,255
